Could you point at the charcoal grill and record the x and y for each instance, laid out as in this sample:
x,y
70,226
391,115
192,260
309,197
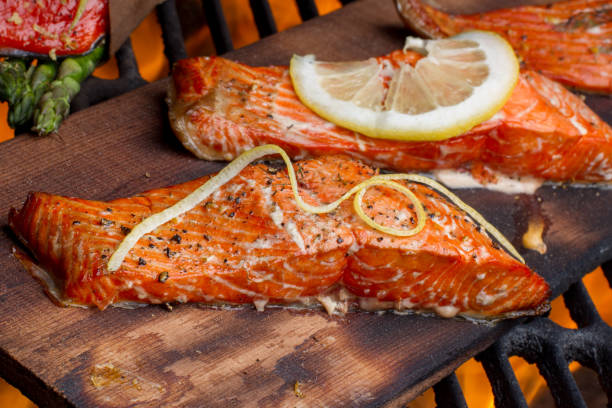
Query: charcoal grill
x,y
538,340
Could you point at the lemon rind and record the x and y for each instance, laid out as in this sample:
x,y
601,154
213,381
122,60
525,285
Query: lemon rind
x,y
439,124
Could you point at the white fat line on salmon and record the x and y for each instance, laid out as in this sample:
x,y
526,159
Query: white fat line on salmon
x,y
235,167
485,298
578,126
365,266
297,289
306,275
232,287
259,243
252,261
278,217
527,110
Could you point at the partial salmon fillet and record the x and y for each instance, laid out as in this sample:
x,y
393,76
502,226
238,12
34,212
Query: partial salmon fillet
x,y
250,243
44,28
219,109
568,41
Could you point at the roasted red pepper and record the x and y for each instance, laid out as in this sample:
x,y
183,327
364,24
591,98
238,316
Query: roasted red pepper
x,y
51,27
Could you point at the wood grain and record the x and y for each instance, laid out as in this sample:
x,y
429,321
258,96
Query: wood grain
x,y
197,356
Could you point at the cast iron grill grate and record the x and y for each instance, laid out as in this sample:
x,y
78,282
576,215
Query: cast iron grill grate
x,y
539,341
551,348
96,90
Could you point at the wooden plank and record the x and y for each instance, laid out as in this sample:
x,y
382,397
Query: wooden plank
x,y
196,356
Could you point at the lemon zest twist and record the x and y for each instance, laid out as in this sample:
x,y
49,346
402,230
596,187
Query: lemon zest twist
x,y
232,169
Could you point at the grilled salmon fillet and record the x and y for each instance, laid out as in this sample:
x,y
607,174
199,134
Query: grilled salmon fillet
x,y
219,109
568,41
249,242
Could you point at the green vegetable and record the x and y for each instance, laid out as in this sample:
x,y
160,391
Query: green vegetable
x,y
21,111
13,79
54,105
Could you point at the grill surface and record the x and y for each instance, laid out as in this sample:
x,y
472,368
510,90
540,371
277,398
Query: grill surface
x,y
551,348
96,90
539,340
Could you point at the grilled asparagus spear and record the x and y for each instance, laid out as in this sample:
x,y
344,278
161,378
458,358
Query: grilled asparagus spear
x,y
54,105
13,79
22,110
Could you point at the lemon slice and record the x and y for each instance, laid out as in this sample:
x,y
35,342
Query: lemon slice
x,y
461,82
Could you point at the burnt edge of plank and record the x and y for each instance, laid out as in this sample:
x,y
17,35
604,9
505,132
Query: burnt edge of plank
x,y
31,385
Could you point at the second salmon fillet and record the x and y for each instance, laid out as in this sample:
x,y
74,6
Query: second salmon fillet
x,y
219,109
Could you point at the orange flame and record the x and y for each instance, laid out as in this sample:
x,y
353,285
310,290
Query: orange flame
x,y
6,132
149,51
472,376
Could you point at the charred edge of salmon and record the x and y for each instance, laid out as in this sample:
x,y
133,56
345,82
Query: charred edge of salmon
x,y
182,127
179,108
51,286
17,53
415,16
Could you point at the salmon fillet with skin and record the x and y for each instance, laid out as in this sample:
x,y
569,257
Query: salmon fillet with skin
x,y
250,243
219,109
568,41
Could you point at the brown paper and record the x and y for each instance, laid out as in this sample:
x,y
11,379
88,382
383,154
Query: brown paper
x,y
125,15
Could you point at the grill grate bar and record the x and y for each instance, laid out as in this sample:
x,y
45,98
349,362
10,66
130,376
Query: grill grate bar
x,y
262,14
607,268
218,26
592,346
264,19
551,347
448,393
604,370
126,61
581,307
307,9
506,390
172,35
560,381
95,90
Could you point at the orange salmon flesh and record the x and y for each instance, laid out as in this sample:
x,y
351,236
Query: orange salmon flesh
x,y
250,243
219,109
568,41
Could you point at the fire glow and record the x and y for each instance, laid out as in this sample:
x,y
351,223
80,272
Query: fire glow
x,y
472,377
